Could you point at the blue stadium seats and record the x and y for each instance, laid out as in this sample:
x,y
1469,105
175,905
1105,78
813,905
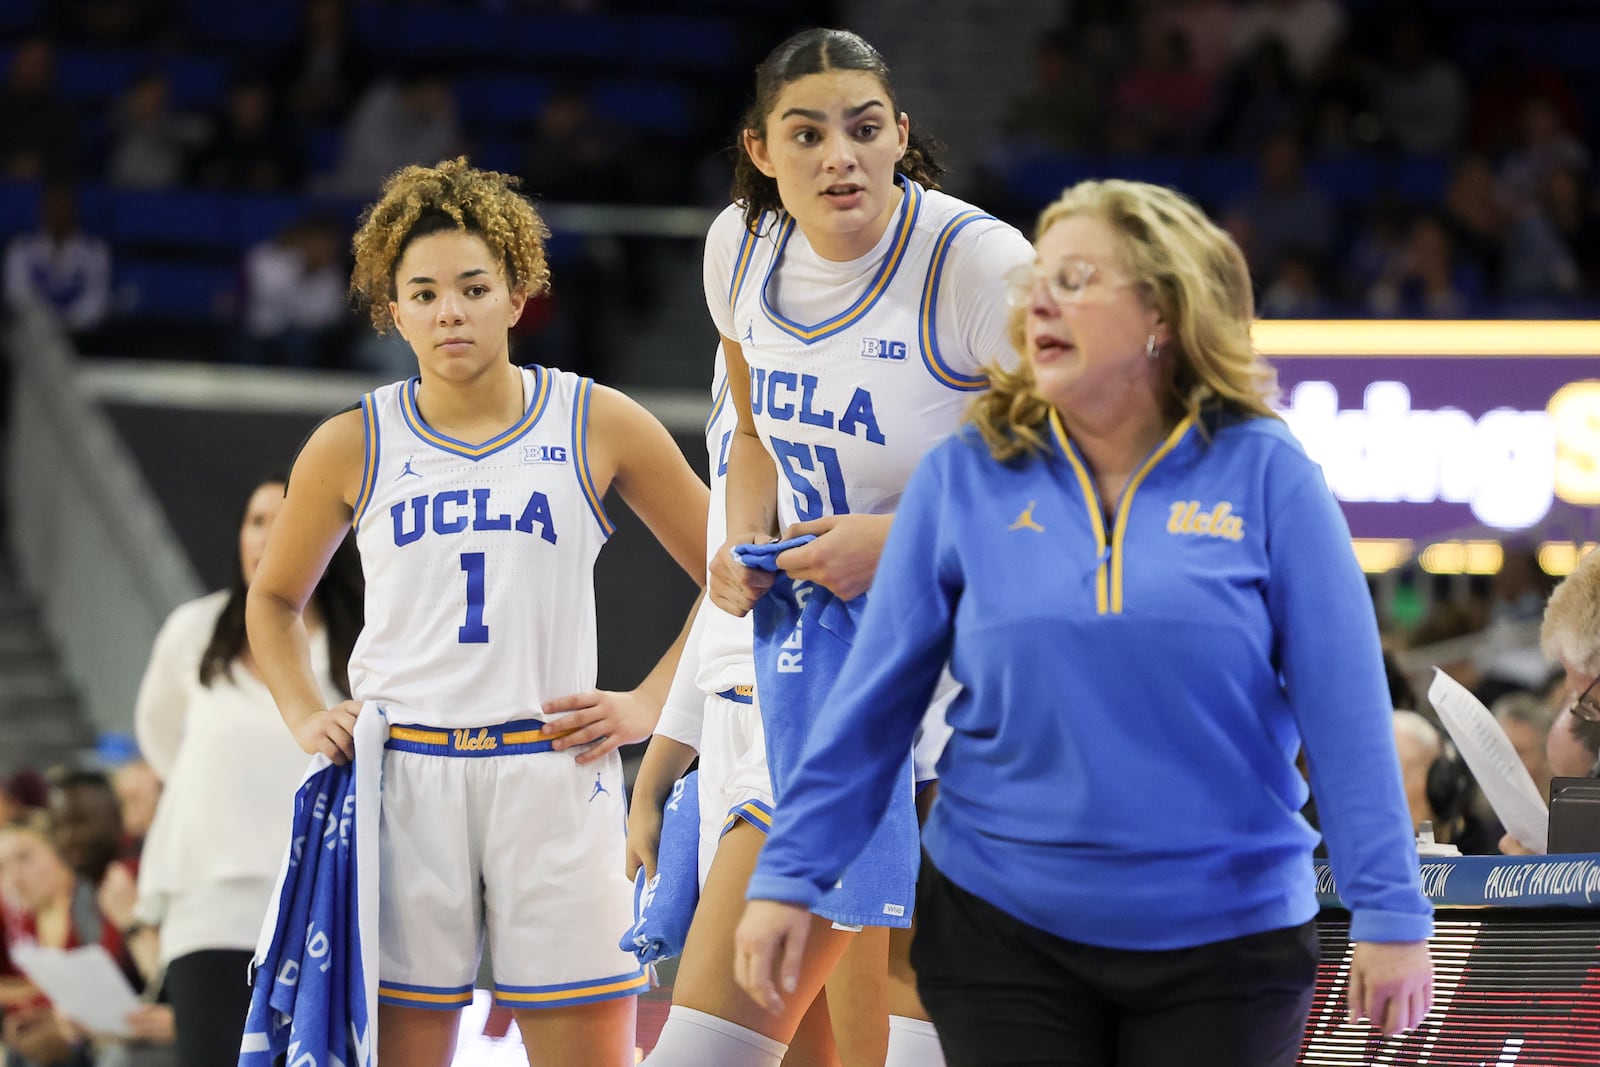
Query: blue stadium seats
x,y
256,26
157,289
19,208
19,15
199,221
645,104
94,76
502,100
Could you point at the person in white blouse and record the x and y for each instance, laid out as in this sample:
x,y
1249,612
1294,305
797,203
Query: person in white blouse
x,y
208,726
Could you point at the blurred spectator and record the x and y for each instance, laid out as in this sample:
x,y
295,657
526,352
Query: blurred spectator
x,y
86,819
1421,96
324,71
19,793
248,150
151,143
1508,658
1296,291
1427,281
1059,111
1309,29
1340,115
1553,248
576,155
1206,25
38,138
1377,251
1259,97
1162,102
1419,743
1284,209
60,266
208,725
295,308
1547,144
1570,636
1476,216
49,905
138,792
397,122
1505,85
1526,718
1439,787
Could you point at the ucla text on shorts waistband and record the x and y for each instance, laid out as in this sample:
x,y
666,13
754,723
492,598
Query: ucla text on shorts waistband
x,y
740,694
520,738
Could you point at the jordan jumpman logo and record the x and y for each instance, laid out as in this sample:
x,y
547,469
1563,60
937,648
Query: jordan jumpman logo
x,y
1025,520
598,789
407,470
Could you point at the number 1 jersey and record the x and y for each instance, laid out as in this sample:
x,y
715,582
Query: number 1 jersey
x,y
479,558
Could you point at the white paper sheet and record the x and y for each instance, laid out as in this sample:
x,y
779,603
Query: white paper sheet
x,y
84,984
1493,761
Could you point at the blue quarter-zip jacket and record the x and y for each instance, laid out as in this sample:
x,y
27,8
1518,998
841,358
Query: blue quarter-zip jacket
x,y
1136,688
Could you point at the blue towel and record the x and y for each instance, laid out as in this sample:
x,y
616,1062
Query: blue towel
x,y
764,557
315,978
802,635
663,906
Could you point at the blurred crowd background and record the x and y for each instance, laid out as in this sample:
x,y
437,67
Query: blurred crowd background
x,y
179,180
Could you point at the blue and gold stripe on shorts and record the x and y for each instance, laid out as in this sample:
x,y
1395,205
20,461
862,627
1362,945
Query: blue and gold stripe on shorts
x,y
434,998
755,812
521,738
564,996
739,694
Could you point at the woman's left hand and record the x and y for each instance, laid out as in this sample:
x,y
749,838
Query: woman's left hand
x,y
768,947
844,557
1391,984
600,719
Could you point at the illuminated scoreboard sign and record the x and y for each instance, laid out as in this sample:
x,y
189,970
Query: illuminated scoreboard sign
x,y
1428,430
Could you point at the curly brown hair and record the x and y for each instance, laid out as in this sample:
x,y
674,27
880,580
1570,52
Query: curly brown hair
x,y
815,51
417,201
1192,272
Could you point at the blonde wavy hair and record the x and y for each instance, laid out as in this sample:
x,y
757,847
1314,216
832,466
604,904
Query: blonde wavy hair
x,y
1571,627
454,195
1191,272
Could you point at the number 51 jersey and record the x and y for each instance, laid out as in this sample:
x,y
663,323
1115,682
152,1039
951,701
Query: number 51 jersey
x,y
847,406
479,559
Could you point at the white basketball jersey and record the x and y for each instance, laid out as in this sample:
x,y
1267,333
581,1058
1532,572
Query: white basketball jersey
x,y
726,658
848,405
479,559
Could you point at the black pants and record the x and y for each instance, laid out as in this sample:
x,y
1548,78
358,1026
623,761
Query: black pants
x,y
1003,993
210,996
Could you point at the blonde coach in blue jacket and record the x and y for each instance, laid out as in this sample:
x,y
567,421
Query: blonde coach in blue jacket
x,y
1149,595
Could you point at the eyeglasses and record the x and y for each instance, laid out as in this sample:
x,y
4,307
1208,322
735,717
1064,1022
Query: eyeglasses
x,y
1067,281
1587,705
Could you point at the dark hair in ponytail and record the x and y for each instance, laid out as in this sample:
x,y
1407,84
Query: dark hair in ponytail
x,y
813,52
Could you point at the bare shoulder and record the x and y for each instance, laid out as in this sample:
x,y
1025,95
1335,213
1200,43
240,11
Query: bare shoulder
x,y
613,412
331,458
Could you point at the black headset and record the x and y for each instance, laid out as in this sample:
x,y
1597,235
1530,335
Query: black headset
x,y
1449,782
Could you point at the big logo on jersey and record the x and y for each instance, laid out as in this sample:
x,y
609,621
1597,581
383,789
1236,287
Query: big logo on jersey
x,y
455,511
